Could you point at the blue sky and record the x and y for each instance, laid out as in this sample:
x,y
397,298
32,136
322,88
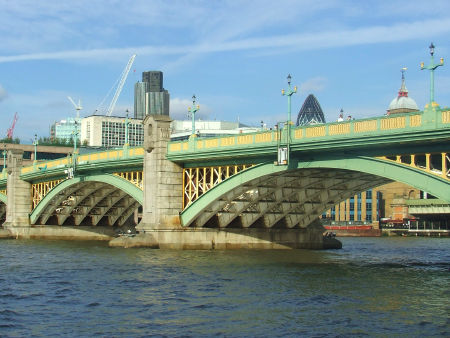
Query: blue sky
x,y
234,55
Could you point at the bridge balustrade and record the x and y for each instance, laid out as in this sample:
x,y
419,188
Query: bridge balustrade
x,y
312,137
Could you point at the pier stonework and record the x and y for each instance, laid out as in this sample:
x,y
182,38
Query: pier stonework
x,y
18,205
162,202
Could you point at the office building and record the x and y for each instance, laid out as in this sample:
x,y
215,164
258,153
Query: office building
x,y
109,131
182,129
310,112
65,129
150,97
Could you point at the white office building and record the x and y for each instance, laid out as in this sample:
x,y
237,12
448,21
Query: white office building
x,y
109,131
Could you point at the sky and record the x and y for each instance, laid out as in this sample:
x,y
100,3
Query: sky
x,y
233,55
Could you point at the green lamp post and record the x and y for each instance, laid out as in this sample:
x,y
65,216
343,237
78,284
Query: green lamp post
x,y
35,143
431,67
75,152
193,110
127,123
4,157
75,138
288,93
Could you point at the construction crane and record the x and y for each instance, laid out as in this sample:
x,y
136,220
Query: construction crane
x,y
123,78
78,106
10,131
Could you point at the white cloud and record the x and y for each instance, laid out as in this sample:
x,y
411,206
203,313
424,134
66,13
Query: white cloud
x,y
3,93
314,84
302,41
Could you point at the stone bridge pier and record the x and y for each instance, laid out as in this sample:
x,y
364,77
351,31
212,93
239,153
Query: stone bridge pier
x,y
18,205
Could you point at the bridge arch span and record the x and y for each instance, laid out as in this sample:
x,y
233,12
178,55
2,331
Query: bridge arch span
x,y
294,196
88,200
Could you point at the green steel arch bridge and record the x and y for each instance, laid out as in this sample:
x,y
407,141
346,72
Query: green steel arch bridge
x,y
282,178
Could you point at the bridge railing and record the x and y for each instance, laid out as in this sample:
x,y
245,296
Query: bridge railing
x,y
376,126
85,159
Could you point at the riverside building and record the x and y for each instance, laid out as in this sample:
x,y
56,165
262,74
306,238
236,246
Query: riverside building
x,y
150,97
65,129
109,131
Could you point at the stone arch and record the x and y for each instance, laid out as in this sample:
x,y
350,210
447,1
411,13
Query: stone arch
x,y
300,192
88,200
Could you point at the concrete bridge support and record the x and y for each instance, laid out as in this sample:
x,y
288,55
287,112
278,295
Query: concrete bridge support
x,y
18,205
162,202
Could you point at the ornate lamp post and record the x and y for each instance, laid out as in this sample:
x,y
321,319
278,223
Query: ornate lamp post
x,y
74,156
75,138
289,93
126,144
4,157
35,143
193,110
431,67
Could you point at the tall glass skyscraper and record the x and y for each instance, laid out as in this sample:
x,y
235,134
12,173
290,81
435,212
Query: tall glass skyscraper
x,y
150,97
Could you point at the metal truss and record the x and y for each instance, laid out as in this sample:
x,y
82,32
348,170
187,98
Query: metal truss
x,y
135,177
197,181
434,163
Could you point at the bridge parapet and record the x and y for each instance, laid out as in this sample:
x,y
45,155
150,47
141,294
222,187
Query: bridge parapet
x,y
336,135
82,162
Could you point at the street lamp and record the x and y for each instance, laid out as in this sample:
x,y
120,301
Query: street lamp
x,y
431,67
193,110
35,143
75,138
126,144
288,93
4,156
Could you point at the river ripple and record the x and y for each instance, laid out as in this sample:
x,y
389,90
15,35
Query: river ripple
x,y
373,286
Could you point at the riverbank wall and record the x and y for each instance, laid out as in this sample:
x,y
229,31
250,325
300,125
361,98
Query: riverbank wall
x,y
353,231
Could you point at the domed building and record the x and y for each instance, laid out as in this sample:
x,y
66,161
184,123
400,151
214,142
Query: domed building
x,y
310,113
402,103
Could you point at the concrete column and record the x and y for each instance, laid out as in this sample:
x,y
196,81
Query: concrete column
x,y
18,205
162,178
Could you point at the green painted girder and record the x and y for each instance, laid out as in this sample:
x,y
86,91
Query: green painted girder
x,y
110,179
419,179
431,131
3,198
3,182
130,164
388,144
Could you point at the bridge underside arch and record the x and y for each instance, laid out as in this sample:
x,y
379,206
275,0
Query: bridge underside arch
x,y
267,196
97,200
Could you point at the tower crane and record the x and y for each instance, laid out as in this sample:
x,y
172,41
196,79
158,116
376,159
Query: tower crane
x,y
10,131
78,106
123,78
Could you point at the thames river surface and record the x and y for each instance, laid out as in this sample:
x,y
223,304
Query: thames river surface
x,y
373,286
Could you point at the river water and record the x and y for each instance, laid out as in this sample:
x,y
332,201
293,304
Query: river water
x,y
373,286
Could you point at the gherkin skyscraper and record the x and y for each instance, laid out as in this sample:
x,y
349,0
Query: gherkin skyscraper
x,y
310,113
